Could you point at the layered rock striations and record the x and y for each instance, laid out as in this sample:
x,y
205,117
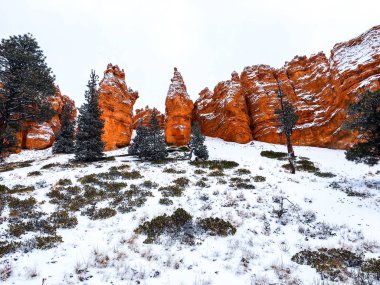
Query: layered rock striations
x,y
178,112
116,102
320,88
145,114
223,113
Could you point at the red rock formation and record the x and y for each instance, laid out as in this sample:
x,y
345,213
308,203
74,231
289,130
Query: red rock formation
x,y
178,111
145,115
41,135
116,101
320,88
224,113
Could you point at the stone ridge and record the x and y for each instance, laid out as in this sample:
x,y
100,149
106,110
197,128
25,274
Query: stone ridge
x,y
320,88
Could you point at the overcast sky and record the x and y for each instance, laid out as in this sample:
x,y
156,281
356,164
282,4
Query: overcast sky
x,y
205,39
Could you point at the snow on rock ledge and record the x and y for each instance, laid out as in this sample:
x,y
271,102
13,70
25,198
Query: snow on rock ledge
x,y
320,88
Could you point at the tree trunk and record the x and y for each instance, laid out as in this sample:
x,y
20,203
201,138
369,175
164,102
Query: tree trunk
x,y
290,147
292,167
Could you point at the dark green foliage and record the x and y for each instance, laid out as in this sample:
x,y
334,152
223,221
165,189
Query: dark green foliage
x,y
372,266
20,206
324,174
164,224
64,138
199,171
242,171
182,181
102,214
26,84
34,173
305,165
149,184
201,184
51,165
14,165
215,164
364,117
138,141
174,171
196,143
165,201
21,189
330,263
216,173
259,178
64,182
149,142
47,242
217,226
171,191
8,139
274,154
243,185
63,220
88,140
8,247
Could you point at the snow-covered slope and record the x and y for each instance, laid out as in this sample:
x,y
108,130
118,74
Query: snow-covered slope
x,y
109,252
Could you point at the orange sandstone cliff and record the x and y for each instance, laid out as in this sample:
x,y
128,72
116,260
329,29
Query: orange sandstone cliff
x,y
116,102
319,87
223,113
178,109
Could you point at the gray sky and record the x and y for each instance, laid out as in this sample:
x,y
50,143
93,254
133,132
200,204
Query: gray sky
x,y
205,39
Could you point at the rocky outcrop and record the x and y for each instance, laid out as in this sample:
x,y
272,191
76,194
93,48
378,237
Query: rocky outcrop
x,y
116,102
178,111
41,135
223,113
319,87
145,115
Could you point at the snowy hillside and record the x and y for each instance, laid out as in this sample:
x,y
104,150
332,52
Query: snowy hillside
x,y
329,203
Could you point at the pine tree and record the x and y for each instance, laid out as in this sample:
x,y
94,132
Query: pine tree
x,y
364,117
287,119
138,140
26,82
196,143
88,140
64,139
154,146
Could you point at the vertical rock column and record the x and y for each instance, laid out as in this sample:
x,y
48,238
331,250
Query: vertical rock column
x,y
116,102
178,108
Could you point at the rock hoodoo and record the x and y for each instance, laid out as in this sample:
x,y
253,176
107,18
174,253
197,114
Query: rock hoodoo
x,y
145,115
116,102
178,109
41,135
223,113
320,88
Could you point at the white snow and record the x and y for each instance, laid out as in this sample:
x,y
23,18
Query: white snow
x,y
215,260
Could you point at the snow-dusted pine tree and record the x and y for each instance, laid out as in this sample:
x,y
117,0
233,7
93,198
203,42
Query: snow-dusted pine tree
x,y
64,138
138,140
364,117
26,84
154,146
88,140
196,143
287,119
